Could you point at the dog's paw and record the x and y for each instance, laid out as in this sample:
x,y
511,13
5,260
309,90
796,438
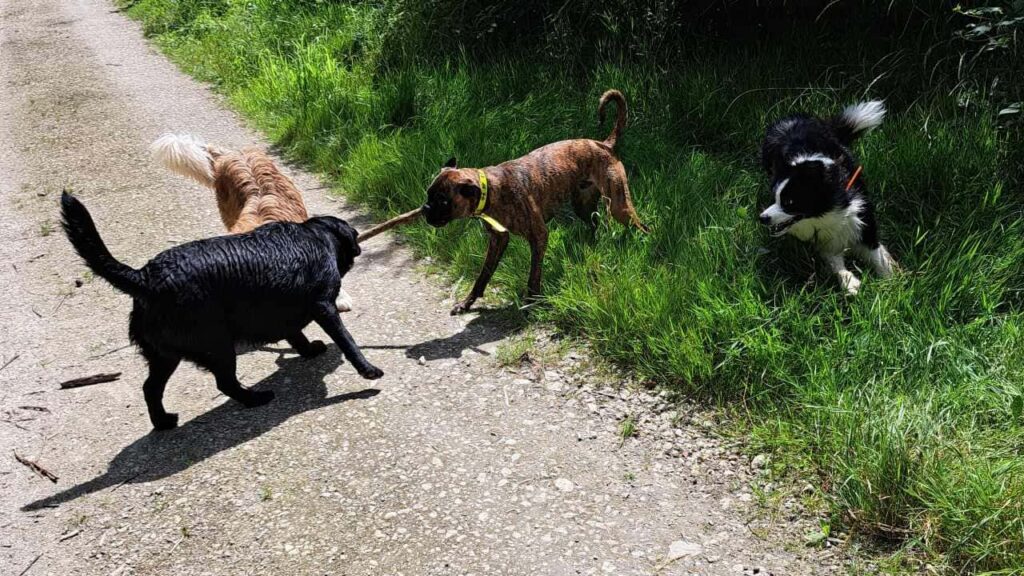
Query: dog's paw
x,y
371,372
851,285
166,422
461,308
258,398
315,348
344,302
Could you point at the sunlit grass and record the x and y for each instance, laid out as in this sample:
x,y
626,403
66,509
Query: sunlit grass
x,y
903,398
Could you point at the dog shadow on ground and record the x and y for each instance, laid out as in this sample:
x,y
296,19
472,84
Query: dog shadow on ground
x,y
490,325
487,327
299,386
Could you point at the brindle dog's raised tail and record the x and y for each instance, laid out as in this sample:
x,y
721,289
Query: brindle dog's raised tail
x,y
615,192
620,119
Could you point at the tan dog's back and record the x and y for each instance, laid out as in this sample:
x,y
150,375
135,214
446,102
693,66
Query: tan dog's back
x,y
252,191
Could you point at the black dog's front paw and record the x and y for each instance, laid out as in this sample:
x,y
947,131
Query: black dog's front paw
x,y
461,307
315,348
254,399
371,372
165,422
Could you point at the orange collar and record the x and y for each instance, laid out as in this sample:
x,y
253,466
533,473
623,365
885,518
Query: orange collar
x,y
856,173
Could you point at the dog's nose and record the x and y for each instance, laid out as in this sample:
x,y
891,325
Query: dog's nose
x,y
766,220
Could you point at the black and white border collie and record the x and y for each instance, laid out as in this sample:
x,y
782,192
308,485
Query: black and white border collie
x,y
819,189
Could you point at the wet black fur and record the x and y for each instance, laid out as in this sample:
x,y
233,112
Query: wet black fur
x,y
198,300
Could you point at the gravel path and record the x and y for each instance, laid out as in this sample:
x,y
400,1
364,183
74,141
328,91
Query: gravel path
x,y
450,464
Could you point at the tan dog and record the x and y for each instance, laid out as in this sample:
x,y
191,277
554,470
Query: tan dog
x,y
521,195
251,189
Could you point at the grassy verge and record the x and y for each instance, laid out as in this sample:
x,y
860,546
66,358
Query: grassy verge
x,y
907,400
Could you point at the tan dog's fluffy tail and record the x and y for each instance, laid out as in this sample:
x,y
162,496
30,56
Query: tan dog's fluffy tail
x,y
186,155
620,119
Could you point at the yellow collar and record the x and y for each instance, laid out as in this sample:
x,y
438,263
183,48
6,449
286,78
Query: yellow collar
x,y
479,212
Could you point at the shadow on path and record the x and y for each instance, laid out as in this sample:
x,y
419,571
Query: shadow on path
x,y
299,385
490,325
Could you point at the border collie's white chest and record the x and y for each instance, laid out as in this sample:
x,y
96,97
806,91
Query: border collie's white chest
x,y
833,232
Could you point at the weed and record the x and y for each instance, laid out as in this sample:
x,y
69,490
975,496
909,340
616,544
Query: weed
x,y
627,428
819,536
515,351
78,521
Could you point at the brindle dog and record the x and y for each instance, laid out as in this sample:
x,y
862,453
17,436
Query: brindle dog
x,y
523,194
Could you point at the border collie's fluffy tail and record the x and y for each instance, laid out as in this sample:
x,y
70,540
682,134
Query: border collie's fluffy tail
x,y
857,120
186,155
81,231
620,119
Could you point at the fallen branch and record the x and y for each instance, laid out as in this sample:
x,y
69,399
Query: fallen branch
x,y
108,352
90,380
15,424
31,564
8,363
385,226
59,304
42,472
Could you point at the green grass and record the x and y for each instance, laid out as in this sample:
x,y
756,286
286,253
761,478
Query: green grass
x,y
627,428
515,351
905,402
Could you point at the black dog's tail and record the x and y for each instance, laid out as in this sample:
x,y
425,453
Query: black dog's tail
x,y
620,119
857,120
81,231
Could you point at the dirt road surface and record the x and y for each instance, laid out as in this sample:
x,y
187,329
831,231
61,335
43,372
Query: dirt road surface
x,y
450,464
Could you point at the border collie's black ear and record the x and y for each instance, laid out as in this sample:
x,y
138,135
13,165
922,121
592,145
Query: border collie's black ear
x,y
451,163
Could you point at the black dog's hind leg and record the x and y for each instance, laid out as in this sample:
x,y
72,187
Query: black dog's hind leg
x,y
495,250
327,317
222,365
160,370
304,347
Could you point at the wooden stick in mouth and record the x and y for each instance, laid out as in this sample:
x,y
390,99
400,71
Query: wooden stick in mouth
x,y
385,226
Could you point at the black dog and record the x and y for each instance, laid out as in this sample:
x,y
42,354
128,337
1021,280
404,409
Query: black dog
x,y
197,300
819,194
